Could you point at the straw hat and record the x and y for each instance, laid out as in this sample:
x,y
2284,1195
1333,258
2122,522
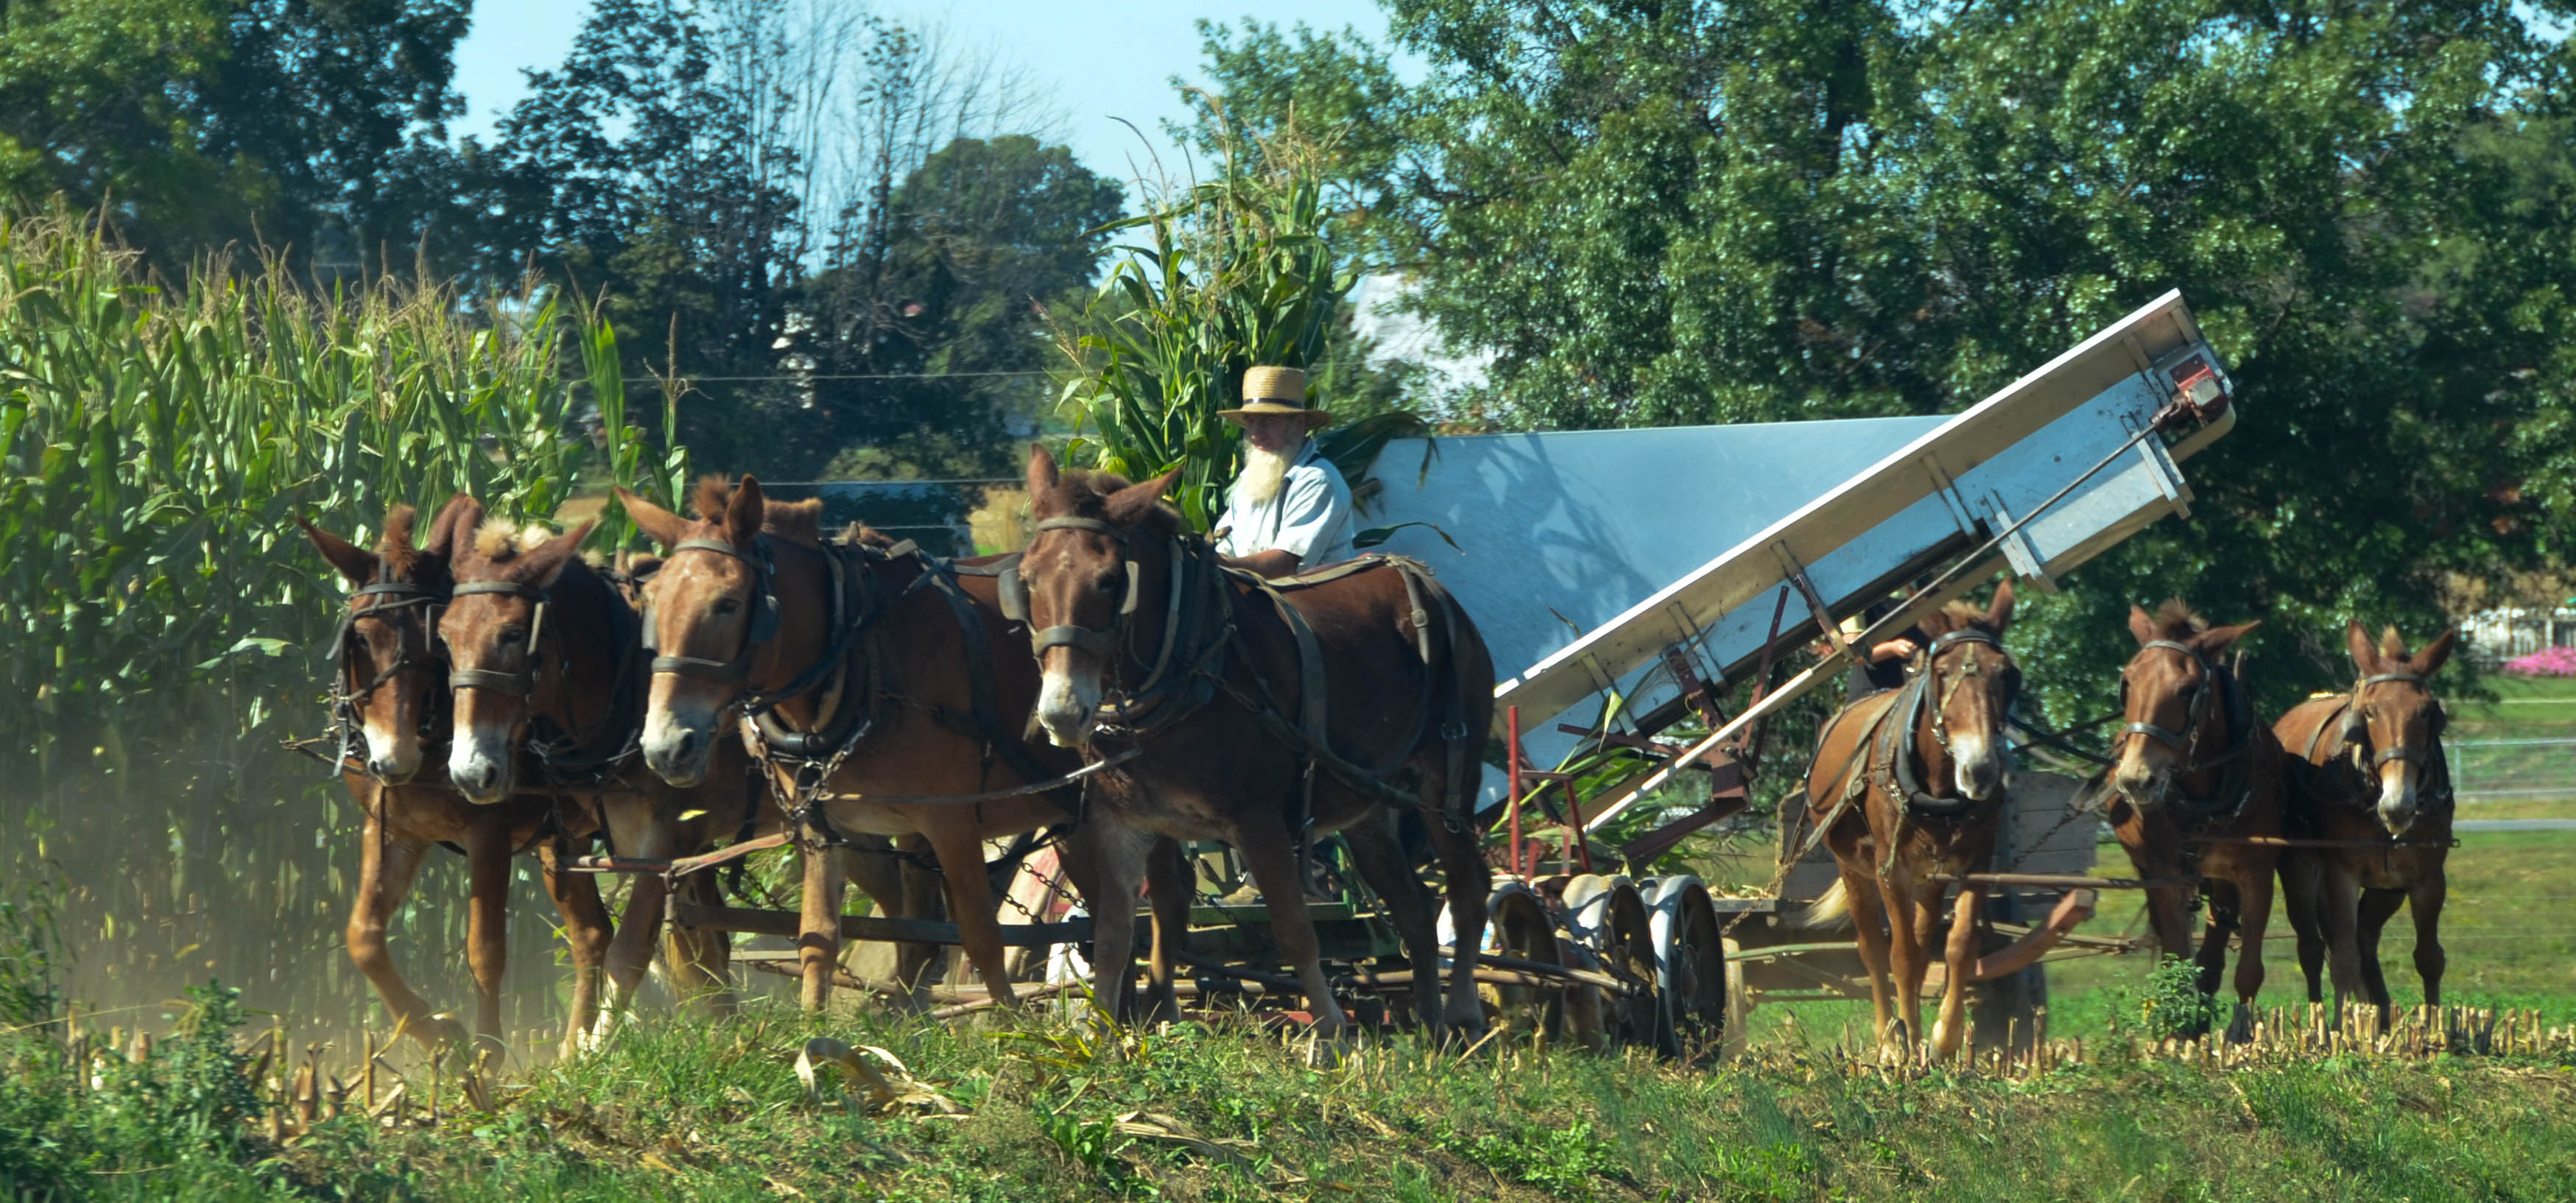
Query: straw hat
x,y
1275,391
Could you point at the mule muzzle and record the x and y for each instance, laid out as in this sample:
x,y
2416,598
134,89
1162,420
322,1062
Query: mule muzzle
x,y
678,752
479,771
392,760
1068,700
2397,809
1980,774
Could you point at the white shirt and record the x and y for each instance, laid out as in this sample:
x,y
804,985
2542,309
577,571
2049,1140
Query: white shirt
x,y
1309,516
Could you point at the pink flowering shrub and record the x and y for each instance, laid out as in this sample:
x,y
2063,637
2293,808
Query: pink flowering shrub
x,y
2547,662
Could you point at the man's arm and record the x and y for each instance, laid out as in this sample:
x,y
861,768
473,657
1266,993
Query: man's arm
x,y
1312,513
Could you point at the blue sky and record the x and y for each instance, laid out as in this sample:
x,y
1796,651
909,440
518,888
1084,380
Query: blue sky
x,y
1105,60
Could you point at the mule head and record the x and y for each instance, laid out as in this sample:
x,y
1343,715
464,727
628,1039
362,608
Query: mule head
x,y
1082,582
2170,701
2395,724
388,658
712,615
1973,682
494,629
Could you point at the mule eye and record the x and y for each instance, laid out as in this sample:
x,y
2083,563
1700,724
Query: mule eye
x,y
1110,582
514,635
728,606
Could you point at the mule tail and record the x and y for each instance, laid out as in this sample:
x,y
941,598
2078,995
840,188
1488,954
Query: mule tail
x,y
1830,909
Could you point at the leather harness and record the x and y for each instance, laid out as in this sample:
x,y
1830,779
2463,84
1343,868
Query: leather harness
x,y
2236,784
1189,667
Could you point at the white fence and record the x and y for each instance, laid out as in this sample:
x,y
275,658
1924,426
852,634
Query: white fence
x,y
2498,635
2486,770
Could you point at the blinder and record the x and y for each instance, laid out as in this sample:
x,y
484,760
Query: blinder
x,y
522,682
2356,724
1099,641
764,616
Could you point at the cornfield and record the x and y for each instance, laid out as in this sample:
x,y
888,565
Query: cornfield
x,y
166,624
1237,271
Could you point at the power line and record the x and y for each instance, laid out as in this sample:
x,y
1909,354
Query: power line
x,y
688,379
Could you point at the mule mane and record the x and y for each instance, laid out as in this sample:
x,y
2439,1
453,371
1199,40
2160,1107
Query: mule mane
x,y
2176,622
396,558
500,540
2392,646
1085,493
860,534
800,521
1956,616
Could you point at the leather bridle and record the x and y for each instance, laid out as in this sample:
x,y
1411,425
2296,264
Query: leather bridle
x,y
521,682
764,615
1099,641
2211,687
344,701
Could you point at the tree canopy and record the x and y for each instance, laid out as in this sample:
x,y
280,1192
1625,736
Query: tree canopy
x,y
1689,212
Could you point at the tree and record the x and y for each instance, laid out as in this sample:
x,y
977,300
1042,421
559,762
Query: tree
x,y
1760,211
314,125
982,239
732,179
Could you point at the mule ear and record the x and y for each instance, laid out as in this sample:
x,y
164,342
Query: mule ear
x,y
1043,476
2142,625
1999,612
2356,639
744,514
1128,506
2435,654
354,562
441,544
658,524
2216,639
465,519
543,564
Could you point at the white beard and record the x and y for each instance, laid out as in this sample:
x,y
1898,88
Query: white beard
x,y
1263,473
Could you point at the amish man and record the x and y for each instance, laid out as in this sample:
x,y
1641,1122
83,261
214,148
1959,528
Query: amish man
x,y
1289,509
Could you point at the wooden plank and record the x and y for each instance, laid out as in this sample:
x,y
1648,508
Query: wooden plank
x,y
873,927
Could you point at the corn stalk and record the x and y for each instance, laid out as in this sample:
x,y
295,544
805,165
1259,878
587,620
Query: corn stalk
x,y
1233,272
166,624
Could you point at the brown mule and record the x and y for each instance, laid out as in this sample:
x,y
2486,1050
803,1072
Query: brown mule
x,y
392,683
2376,774
2198,774
546,665
858,663
1908,784
1202,670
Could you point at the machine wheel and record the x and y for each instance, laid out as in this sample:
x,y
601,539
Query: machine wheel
x,y
1517,924
1608,917
1690,964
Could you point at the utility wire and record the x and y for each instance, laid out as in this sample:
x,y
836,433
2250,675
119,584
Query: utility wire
x,y
687,378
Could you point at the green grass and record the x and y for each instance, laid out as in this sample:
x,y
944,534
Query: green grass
x,y
2524,708
678,1109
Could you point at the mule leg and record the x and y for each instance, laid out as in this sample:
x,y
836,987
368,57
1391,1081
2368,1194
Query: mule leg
x,y
1958,963
487,916
2253,915
818,939
1864,904
386,869
1167,886
1377,850
2425,902
2218,923
1470,882
702,957
1270,851
970,900
2339,903
2300,902
1904,963
2377,907
639,929
1115,858
587,929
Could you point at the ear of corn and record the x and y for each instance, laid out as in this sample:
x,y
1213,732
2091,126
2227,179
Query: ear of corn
x,y
163,622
